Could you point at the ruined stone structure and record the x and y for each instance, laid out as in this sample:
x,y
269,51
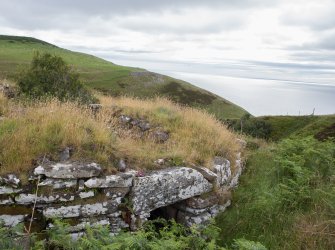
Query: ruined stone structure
x,y
82,194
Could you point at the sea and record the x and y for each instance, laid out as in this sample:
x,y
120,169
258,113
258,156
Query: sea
x,y
258,96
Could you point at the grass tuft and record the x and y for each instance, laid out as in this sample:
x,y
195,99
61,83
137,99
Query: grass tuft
x,y
31,130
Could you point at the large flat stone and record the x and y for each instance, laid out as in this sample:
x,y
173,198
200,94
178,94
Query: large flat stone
x,y
111,181
69,170
87,210
26,199
165,187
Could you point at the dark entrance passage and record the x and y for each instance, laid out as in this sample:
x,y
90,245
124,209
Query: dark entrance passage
x,y
168,213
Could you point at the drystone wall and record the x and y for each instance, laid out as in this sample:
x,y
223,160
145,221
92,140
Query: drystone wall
x,y
82,194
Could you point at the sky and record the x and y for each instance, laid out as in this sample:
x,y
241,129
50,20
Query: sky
x,y
290,40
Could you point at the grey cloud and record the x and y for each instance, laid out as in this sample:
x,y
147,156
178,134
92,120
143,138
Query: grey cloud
x,y
34,14
314,56
316,20
325,42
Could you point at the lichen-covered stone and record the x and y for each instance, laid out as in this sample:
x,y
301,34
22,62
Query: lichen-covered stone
x,y
87,210
194,211
58,183
111,181
165,187
62,212
65,154
116,192
9,190
12,220
215,209
69,170
160,136
200,202
208,174
238,171
26,199
10,180
189,219
222,169
122,166
8,201
125,119
84,195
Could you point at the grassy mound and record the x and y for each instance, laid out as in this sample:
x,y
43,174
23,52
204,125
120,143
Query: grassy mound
x,y
113,79
29,131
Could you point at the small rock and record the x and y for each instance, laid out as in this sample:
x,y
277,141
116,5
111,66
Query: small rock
x,y
10,180
160,162
95,107
144,125
39,170
81,185
122,165
9,190
65,154
160,136
135,122
125,119
84,195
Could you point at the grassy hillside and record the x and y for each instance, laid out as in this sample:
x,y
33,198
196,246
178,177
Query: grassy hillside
x,y
276,128
300,126
17,52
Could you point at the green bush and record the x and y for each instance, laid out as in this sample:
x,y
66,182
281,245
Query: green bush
x,y
305,170
50,76
255,127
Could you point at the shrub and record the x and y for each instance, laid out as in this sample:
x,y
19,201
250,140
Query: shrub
x,y
256,127
305,168
49,75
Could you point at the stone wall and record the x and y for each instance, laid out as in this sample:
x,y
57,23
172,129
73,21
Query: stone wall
x,y
82,194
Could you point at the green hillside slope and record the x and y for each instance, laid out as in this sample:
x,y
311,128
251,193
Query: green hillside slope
x,y
99,74
282,127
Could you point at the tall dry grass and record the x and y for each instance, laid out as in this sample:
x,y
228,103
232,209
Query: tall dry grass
x,y
3,105
195,136
47,127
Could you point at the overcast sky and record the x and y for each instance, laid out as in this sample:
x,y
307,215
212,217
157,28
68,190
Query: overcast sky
x,y
270,39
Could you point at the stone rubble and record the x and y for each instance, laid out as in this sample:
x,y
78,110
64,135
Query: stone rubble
x,y
81,192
